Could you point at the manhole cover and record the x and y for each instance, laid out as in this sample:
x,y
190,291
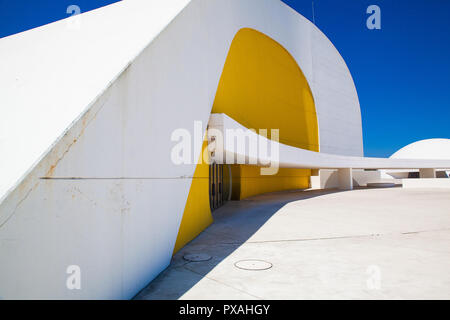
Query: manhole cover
x,y
253,264
197,257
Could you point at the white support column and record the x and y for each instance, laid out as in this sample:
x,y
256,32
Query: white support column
x,y
345,179
427,173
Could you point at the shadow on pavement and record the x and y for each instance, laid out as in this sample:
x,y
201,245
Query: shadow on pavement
x,y
234,223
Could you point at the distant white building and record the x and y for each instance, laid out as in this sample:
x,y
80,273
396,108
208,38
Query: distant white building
x,y
438,149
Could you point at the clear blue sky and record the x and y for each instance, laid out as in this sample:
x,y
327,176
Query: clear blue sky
x,y
401,72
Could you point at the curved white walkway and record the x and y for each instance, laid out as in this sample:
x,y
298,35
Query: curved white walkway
x,y
291,157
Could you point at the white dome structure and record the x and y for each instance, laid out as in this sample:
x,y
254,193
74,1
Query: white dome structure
x,y
438,149
425,149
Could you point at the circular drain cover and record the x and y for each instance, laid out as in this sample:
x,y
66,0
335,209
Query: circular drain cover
x,y
197,257
253,264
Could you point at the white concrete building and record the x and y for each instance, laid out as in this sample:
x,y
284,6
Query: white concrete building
x,y
87,122
438,149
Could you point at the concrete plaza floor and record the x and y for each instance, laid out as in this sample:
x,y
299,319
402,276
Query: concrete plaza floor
x,y
362,244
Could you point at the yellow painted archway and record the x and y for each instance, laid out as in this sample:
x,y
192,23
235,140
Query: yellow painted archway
x,y
261,87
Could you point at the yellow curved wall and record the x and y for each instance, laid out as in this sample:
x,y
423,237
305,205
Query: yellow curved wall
x,y
253,183
261,87
197,212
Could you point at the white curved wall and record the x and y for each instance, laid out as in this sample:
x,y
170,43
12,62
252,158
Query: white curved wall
x,y
104,194
336,99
